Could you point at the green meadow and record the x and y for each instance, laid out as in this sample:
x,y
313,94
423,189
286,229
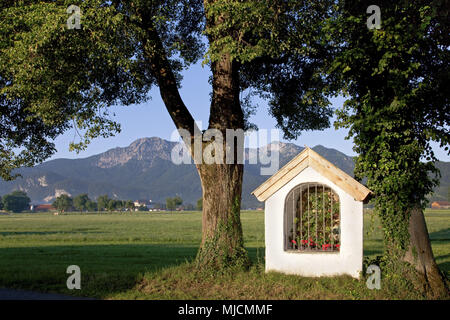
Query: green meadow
x,y
147,256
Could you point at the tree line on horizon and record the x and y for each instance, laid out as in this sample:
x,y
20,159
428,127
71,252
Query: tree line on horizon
x,y
83,203
18,201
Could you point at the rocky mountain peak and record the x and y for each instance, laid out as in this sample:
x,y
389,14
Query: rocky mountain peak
x,y
144,149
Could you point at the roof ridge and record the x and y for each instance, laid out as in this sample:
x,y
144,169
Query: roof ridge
x,y
319,164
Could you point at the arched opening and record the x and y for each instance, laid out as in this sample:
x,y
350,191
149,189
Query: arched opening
x,y
312,219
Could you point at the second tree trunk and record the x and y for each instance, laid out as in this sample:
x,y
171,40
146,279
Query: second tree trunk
x,y
222,244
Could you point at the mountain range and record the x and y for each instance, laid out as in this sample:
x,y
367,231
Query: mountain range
x,y
144,170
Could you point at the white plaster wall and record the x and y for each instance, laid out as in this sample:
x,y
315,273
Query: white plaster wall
x,y
347,261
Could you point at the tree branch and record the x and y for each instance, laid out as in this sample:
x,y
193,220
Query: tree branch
x,y
160,66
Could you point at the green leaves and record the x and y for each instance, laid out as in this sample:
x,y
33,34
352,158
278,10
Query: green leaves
x,y
17,201
53,79
63,203
57,79
283,58
243,29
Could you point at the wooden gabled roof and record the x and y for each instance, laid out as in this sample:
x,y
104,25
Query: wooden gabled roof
x,y
310,158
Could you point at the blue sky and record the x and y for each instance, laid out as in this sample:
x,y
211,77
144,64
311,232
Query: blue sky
x,y
152,119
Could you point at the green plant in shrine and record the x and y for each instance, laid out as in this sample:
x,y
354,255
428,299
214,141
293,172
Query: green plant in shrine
x,y
317,220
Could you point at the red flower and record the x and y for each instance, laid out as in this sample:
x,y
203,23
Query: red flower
x,y
293,241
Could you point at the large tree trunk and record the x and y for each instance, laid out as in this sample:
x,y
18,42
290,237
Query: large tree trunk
x,y
420,255
222,240
222,244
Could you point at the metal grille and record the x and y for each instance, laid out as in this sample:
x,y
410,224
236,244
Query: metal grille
x,y
312,219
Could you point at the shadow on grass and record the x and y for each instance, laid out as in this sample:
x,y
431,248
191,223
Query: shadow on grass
x,y
443,262
443,234
45,233
105,269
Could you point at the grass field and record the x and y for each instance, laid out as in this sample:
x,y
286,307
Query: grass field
x,y
146,256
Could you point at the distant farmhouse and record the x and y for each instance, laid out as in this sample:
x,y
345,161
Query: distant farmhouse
x,y
141,203
440,205
149,204
42,208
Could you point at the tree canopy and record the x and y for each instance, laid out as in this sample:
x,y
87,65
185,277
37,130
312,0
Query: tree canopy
x,y
102,202
53,79
16,201
81,201
63,203
173,203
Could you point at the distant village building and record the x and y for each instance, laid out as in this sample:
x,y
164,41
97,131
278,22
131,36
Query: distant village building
x,y
440,205
149,204
141,203
42,208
